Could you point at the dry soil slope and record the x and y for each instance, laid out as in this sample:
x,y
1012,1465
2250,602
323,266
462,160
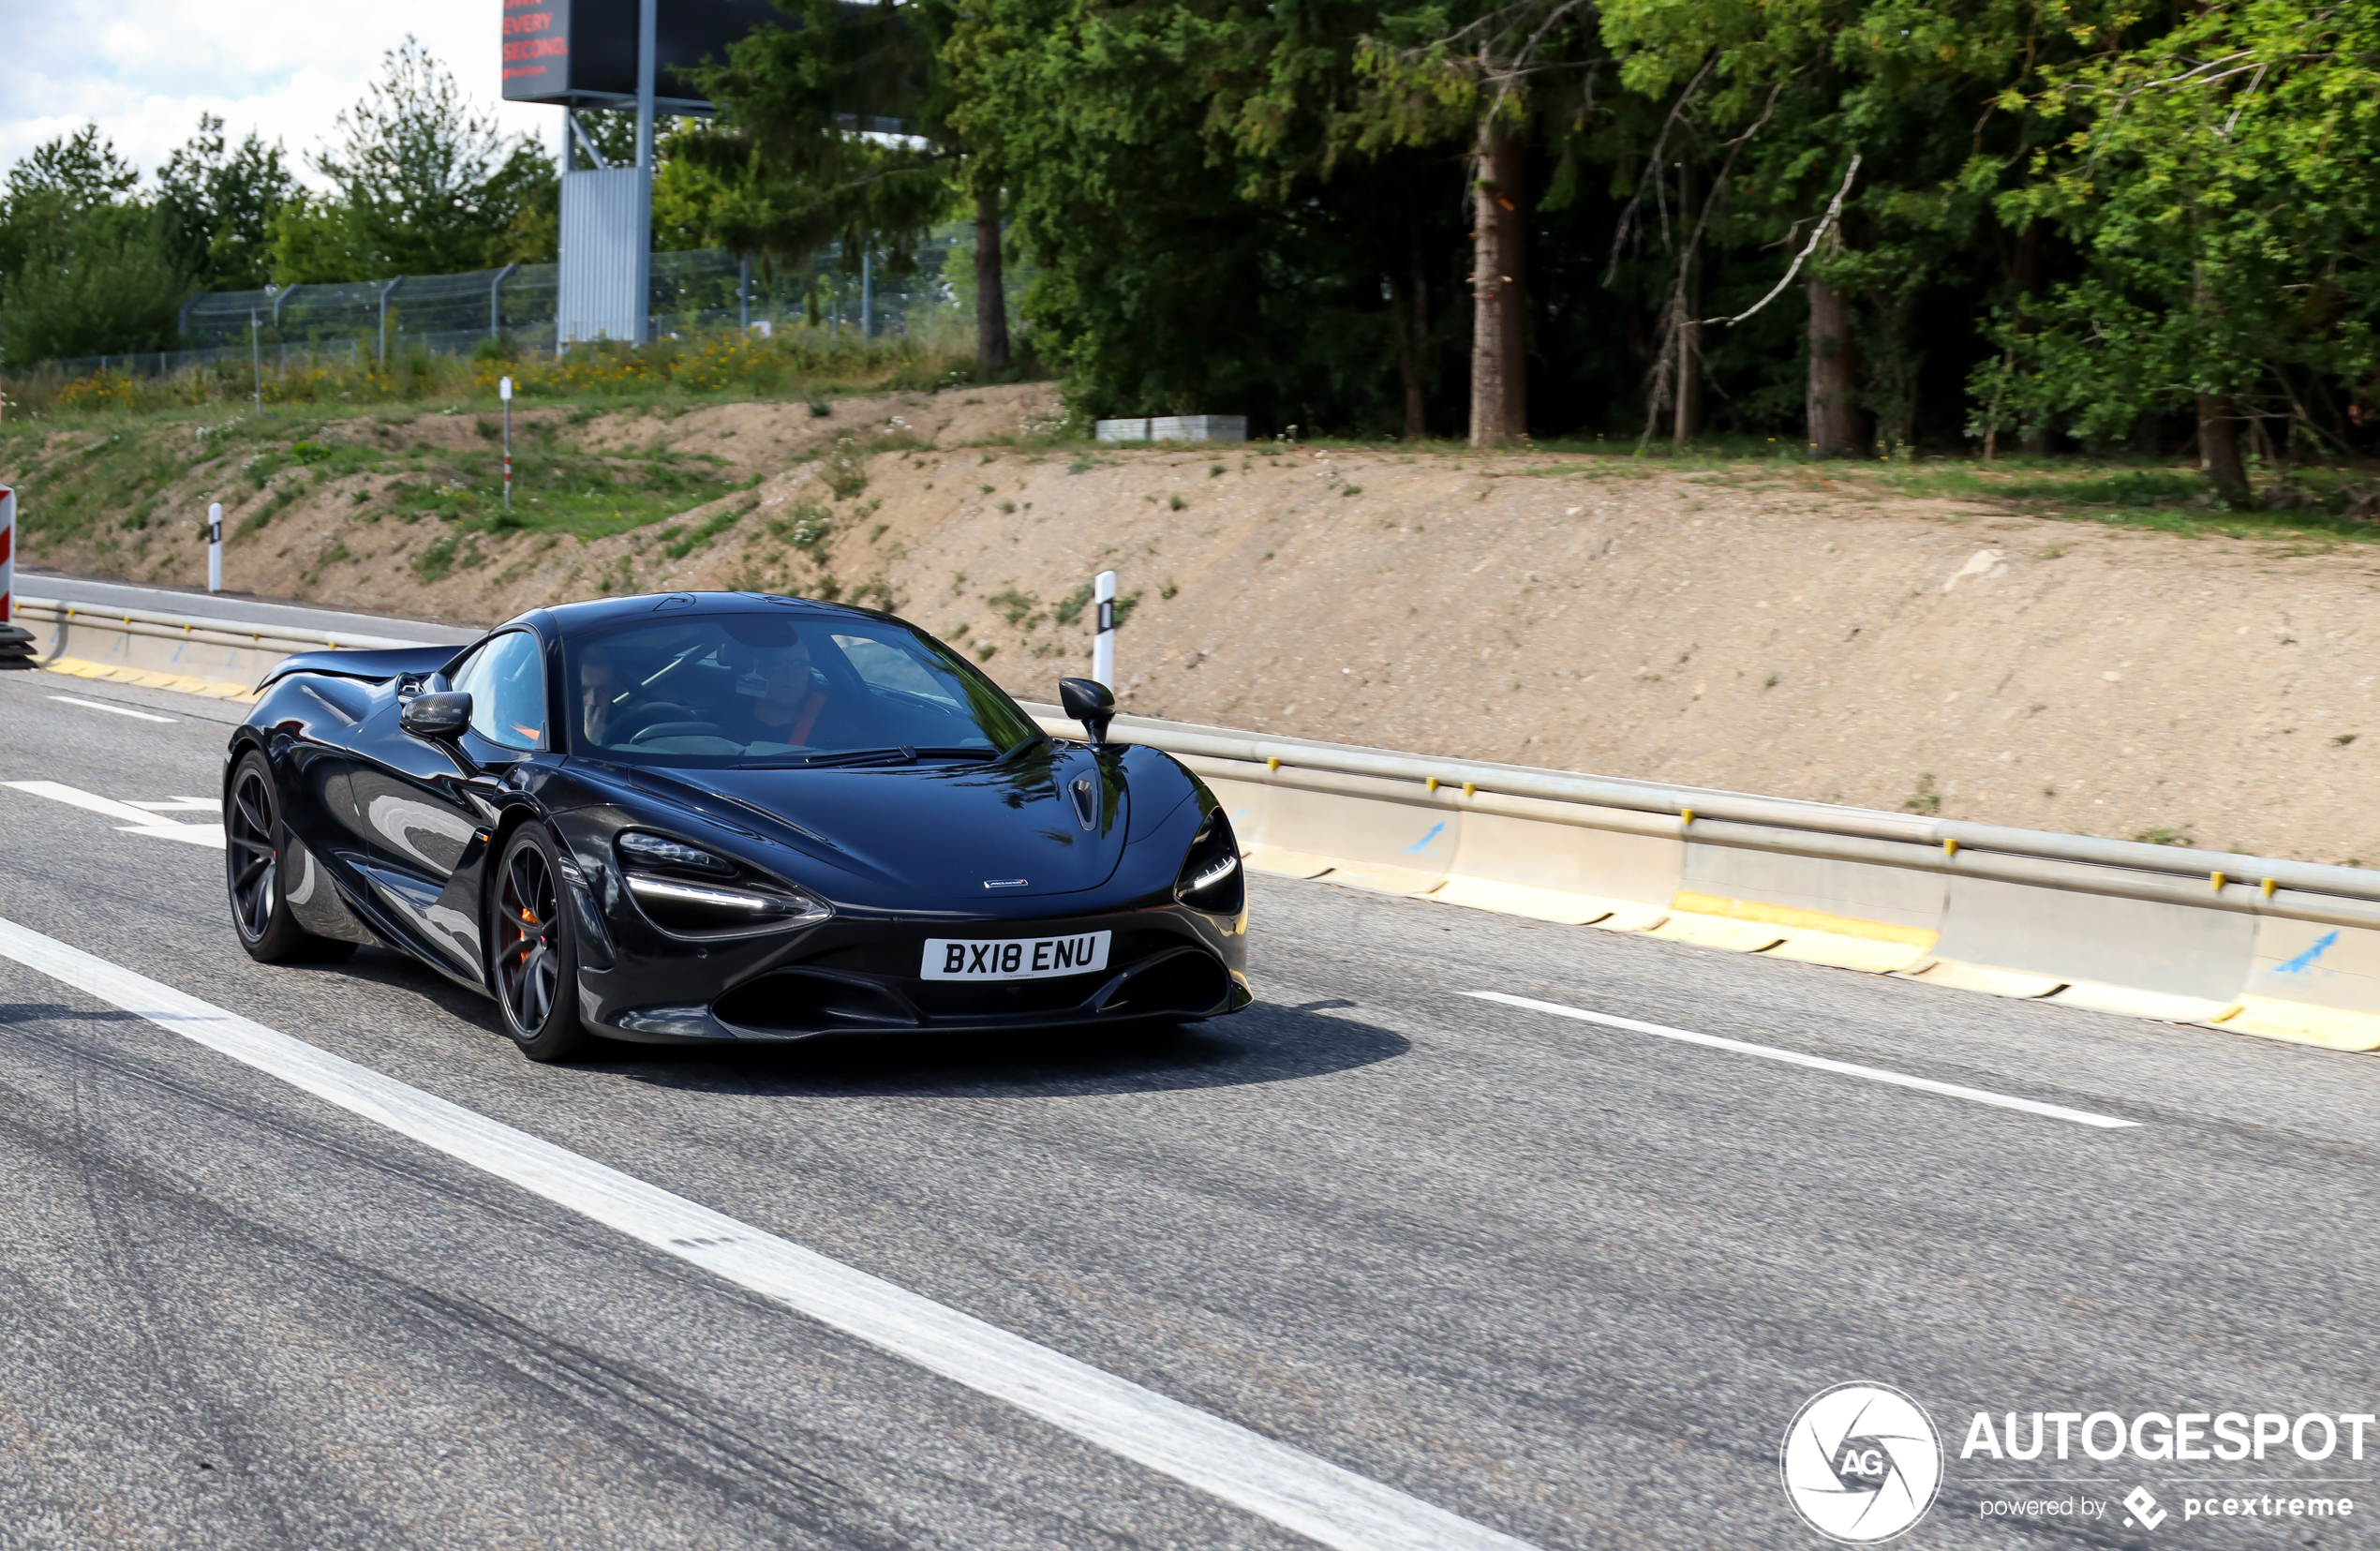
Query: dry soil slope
x,y
1780,633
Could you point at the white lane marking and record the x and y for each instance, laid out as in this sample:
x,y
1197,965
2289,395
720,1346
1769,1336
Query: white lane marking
x,y
112,710
1819,1063
144,821
181,804
1273,1480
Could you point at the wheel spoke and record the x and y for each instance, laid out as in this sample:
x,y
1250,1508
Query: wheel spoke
x,y
249,872
260,904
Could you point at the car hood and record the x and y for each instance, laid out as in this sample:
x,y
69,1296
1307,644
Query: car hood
x,y
934,834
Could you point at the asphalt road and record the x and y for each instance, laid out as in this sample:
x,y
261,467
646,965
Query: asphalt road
x,y
1566,1280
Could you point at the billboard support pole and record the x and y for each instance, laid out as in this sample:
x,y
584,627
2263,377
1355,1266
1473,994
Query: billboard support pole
x,y
646,27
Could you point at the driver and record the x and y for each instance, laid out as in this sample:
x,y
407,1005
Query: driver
x,y
599,689
780,701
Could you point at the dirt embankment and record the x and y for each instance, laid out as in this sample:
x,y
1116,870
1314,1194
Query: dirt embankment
x,y
1771,632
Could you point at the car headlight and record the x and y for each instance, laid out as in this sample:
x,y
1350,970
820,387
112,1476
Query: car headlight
x,y
684,909
726,901
639,846
1211,878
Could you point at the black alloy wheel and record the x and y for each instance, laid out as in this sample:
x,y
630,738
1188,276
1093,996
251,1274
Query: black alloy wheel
x,y
531,956
252,874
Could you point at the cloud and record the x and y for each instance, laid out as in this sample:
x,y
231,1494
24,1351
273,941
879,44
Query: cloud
x,y
145,70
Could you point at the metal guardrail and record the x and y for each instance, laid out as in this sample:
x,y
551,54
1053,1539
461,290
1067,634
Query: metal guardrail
x,y
149,623
1698,807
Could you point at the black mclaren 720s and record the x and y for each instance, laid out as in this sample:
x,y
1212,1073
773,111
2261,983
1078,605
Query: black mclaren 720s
x,y
728,816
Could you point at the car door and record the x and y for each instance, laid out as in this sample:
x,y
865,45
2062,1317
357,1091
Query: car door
x,y
424,808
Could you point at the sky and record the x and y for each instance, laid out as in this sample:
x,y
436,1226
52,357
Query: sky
x,y
145,70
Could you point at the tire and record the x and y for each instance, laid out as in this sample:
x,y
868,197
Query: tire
x,y
252,878
533,959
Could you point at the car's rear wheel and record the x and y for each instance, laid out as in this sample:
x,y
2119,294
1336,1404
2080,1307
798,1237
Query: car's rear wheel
x,y
533,961
252,874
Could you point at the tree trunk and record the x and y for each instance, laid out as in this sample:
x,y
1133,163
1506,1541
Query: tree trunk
x,y
2219,456
992,296
1688,425
2034,441
1499,360
2219,448
1416,383
1836,428
1409,311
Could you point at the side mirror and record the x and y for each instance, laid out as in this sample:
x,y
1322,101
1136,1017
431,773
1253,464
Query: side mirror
x,y
437,716
1091,703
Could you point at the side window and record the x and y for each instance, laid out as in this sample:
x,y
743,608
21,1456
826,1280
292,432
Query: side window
x,y
506,680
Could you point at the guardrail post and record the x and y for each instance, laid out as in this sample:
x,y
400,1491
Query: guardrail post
x,y
214,546
1102,644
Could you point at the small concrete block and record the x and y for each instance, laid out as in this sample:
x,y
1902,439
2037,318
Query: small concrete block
x,y
1121,430
1198,427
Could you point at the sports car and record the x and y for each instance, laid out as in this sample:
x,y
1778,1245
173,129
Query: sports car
x,y
713,816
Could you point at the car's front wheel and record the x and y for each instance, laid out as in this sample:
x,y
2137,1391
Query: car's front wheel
x,y
532,960
252,874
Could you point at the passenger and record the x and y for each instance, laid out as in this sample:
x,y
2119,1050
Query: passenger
x,y
779,701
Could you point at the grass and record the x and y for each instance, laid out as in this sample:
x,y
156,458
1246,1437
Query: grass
x,y
584,494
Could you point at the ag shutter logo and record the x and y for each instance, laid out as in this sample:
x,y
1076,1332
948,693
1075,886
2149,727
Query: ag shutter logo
x,y
1861,1463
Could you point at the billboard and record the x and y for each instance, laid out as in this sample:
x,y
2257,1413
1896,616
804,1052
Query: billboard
x,y
582,53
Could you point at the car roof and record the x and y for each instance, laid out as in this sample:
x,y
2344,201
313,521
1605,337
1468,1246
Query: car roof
x,y
567,619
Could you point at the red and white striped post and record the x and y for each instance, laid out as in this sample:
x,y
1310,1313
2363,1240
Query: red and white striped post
x,y
16,642
8,555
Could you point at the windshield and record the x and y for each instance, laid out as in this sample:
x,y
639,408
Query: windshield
x,y
738,688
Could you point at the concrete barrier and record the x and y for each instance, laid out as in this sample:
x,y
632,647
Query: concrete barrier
x,y
2288,950
1575,863
1831,910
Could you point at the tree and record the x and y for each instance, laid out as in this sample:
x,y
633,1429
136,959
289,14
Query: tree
x,y
219,204
2221,191
86,265
423,184
1785,98
833,130
1494,75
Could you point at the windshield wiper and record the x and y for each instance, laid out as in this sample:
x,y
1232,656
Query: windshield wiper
x,y
901,756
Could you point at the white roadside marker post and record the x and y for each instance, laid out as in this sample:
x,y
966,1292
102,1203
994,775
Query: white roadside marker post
x,y
504,392
1103,644
214,546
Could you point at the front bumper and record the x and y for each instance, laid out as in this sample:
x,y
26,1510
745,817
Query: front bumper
x,y
862,976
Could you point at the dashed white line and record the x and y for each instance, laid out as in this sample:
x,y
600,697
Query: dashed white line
x,y
112,710
1818,1063
1294,1489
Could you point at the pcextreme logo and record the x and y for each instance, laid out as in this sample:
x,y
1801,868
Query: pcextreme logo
x,y
1861,1463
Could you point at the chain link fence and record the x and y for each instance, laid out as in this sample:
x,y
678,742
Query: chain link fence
x,y
368,323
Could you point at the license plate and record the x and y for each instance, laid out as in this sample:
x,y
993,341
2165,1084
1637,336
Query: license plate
x,y
1015,958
